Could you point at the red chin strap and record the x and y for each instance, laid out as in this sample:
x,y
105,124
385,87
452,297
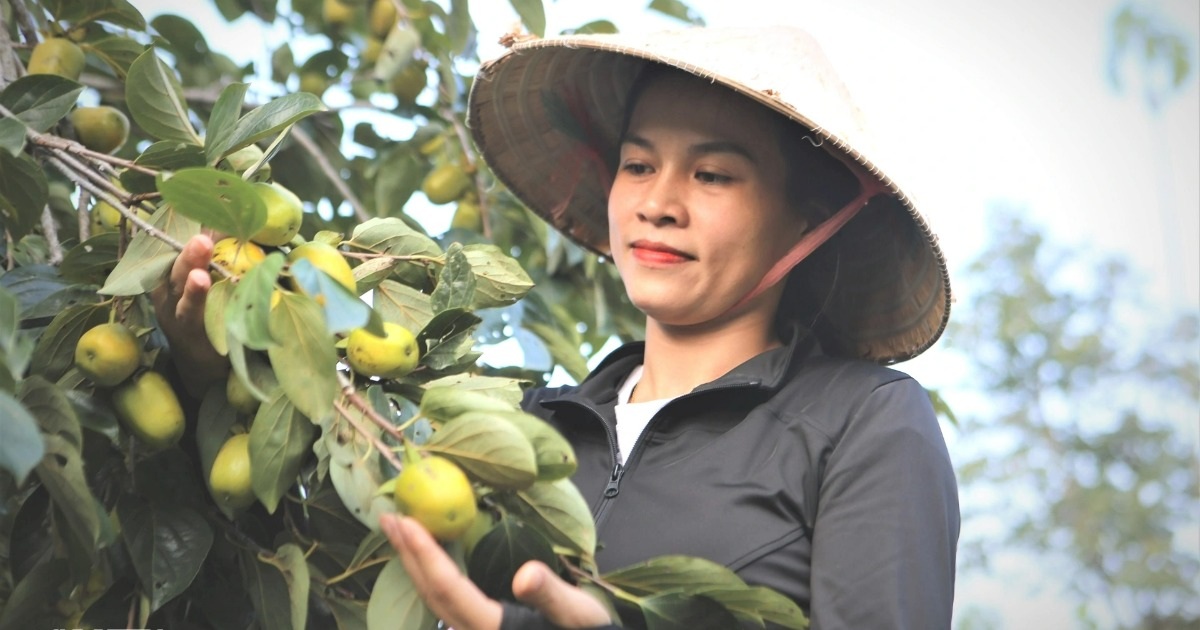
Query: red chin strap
x,y
817,236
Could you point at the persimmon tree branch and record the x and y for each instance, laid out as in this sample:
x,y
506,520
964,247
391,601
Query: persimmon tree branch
x,y
306,141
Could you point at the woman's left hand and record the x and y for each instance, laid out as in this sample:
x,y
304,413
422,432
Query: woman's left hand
x,y
455,599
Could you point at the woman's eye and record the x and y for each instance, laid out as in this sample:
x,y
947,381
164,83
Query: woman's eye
x,y
712,178
635,168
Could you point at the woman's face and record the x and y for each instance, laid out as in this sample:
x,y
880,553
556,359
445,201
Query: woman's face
x,y
697,212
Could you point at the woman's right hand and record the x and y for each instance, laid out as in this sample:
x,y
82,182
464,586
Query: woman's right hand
x,y
179,307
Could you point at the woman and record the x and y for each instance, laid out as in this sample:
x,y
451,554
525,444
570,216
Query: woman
x,y
754,426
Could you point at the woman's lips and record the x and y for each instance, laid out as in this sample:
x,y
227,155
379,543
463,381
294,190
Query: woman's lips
x,y
658,253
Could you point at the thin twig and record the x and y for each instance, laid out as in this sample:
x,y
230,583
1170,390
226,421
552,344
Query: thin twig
x,y
10,262
70,146
331,173
25,21
116,203
10,64
377,443
352,395
50,232
81,213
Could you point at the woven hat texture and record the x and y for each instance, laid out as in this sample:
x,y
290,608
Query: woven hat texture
x,y
547,116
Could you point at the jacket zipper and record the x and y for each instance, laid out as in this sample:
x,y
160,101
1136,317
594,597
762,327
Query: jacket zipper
x,y
613,488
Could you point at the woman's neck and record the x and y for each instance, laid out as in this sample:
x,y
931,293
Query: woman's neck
x,y
680,358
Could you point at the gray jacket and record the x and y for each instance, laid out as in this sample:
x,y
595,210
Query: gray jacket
x,y
826,479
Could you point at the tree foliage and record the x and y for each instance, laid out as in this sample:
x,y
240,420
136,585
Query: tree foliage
x,y
107,519
1080,447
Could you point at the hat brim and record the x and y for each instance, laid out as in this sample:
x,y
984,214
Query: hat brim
x,y
547,117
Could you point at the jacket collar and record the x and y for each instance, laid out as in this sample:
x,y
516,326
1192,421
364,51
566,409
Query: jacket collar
x,y
767,371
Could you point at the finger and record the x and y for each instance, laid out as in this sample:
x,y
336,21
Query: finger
x,y
196,254
448,593
563,604
190,308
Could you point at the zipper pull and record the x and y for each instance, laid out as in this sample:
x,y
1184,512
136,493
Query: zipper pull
x,y
614,482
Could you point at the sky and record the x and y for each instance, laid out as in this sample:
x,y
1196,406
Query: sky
x,y
985,103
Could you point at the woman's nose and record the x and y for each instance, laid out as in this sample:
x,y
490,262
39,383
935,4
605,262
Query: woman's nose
x,y
663,204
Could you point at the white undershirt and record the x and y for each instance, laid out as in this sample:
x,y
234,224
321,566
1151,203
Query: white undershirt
x,y
632,418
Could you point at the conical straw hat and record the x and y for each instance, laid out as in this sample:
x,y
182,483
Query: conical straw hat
x,y
547,116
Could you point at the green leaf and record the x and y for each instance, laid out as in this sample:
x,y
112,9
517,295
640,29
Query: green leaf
x,y
247,316
12,136
397,52
145,264
224,117
677,10
687,574
499,278
533,15
21,446
116,12
27,605
501,551
214,420
456,283
95,413
91,261
16,347
290,561
677,611
279,439
395,602
495,453
391,235
183,39
447,338
117,51
399,175
267,120
498,387
759,603
402,304
596,26
304,360
220,200
343,310
40,100
268,590
164,155
155,100
555,457
349,614
459,27
941,407
54,353
215,307
167,544
442,404
556,509
355,471
23,194
61,471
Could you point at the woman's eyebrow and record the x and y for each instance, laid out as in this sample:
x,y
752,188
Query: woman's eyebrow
x,y
702,148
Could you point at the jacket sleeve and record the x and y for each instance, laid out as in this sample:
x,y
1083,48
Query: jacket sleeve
x,y
887,525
